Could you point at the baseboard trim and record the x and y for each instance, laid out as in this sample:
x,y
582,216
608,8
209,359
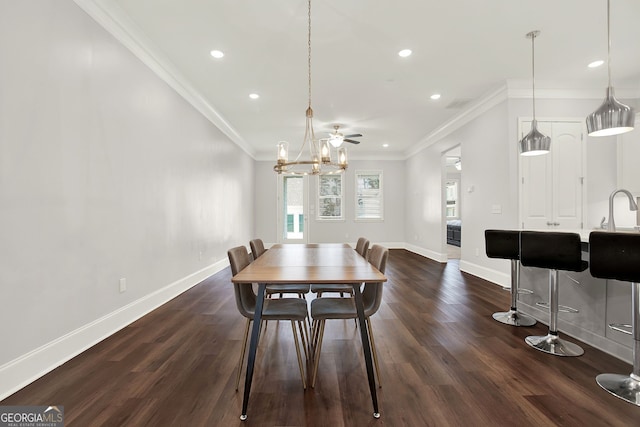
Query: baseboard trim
x,y
27,368
485,273
428,253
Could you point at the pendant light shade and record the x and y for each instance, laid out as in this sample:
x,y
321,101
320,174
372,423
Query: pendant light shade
x,y
535,142
612,117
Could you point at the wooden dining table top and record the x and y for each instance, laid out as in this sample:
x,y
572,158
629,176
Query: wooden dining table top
x,y
310,263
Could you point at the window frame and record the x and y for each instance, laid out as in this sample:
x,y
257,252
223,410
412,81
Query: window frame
x,y
456,204
359,196
323,197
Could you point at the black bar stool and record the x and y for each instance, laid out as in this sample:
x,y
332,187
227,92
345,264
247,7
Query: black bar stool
x,y
617,256
505,244
555,251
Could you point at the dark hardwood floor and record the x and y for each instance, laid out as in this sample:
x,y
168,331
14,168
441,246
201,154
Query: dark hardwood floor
x,y
444,361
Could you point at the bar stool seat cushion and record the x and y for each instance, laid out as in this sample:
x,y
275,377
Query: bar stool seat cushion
x,y
552,250
615,256
503,244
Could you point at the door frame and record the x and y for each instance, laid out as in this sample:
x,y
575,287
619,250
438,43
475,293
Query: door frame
x,y
280,225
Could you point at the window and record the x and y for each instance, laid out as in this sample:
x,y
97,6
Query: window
x,y
330,197
452,199
369,196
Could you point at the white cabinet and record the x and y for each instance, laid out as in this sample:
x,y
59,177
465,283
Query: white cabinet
x,y
628,155
551,185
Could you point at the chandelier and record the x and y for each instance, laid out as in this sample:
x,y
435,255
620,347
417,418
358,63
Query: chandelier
x,y
318,151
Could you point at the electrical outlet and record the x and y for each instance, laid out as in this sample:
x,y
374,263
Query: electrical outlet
x,y
123,285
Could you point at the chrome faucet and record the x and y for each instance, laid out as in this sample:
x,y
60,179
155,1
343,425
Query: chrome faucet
x,y
611,226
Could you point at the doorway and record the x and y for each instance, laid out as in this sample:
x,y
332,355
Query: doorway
x,y
452,202
293,209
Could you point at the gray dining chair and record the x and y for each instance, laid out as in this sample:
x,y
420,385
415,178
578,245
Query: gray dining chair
x,y
362,246
292,309
323,309
257,249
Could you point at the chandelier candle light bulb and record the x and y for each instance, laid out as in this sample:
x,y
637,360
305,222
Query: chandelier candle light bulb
x,y
283,152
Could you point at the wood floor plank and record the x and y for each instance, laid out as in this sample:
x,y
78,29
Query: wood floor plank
x,y
444,361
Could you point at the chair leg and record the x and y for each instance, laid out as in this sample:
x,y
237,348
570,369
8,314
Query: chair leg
x,y
295,340
244,347
304,338
373,350
316,355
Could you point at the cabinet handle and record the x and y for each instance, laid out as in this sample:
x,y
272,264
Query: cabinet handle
x,y
556,223
549,223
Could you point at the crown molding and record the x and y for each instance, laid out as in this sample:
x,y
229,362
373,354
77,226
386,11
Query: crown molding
x,y
484,104
113,19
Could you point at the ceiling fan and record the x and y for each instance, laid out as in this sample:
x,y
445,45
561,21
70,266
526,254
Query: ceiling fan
x,y
336,138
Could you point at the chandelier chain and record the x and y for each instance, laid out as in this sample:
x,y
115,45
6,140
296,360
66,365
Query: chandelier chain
x,y
309,49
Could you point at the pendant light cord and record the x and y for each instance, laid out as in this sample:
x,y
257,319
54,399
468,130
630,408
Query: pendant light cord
x,y
609,41
533,73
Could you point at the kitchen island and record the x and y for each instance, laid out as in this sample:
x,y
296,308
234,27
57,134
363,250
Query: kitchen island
x,y
598,303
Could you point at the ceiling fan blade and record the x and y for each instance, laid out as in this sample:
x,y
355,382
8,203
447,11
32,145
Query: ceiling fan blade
x,y
351,141
354,135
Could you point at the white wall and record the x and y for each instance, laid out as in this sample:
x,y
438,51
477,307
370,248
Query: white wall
x,y
105,173
424,214
390,231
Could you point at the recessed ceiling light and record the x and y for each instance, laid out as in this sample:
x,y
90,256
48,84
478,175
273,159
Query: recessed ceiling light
x,y
254,96
217,54
385,145
595,64
404,53
435,96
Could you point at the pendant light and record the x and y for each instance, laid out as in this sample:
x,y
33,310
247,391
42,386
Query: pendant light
x,y
535,142
612,117
319,156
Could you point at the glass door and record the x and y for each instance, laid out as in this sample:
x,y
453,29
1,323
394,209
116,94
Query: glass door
x,y
293,209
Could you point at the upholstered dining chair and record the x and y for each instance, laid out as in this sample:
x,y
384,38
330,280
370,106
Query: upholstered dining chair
x,y
362,246
257,249
292,309
323,309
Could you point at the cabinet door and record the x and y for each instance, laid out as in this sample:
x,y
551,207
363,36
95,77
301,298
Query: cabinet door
x,y
566,151
551,184
628,155
536,180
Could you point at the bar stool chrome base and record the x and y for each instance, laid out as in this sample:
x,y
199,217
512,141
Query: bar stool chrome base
x,y
622,386
514,318
552,344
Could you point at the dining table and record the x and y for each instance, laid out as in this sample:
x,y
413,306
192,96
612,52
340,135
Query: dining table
x,y
319,263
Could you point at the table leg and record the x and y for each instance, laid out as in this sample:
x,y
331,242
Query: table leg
x,y
253,347
366,348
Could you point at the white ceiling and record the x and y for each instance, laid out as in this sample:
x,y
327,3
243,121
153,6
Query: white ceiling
x,y
462,49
